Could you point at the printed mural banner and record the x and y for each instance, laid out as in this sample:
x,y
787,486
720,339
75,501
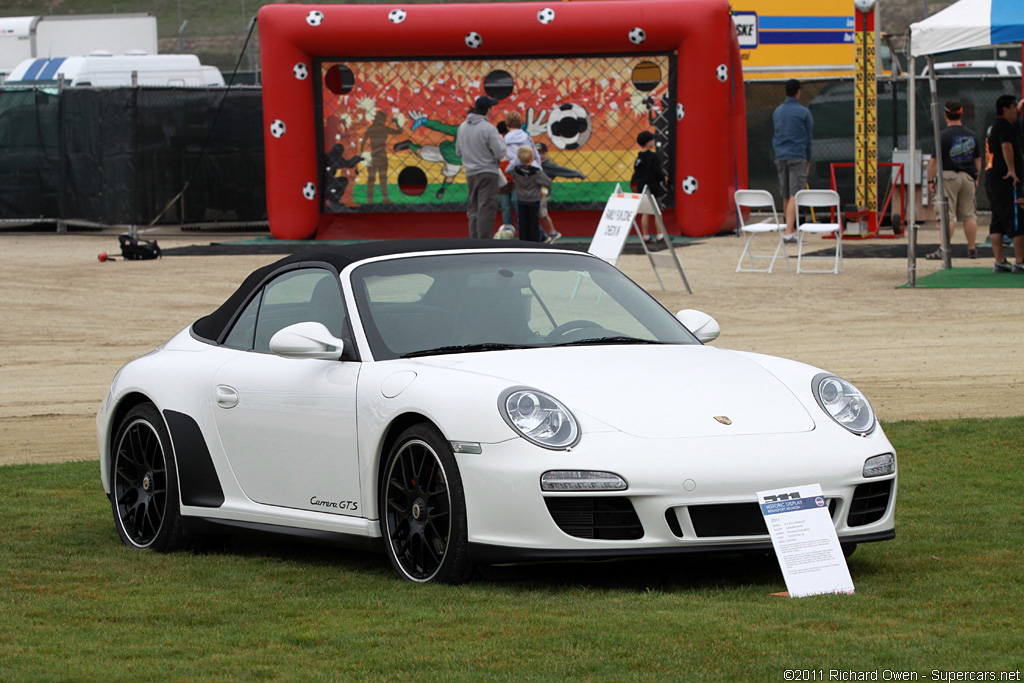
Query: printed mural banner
x,y
388,129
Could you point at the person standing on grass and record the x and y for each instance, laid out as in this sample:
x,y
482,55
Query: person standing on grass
x,y
961,164
794,129
1003,185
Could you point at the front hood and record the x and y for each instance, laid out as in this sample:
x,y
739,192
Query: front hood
x,y
655,392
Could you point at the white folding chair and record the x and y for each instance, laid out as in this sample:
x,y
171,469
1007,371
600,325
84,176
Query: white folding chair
x,y
759,200
827,200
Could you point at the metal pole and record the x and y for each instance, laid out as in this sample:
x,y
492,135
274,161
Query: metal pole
x,y
940,194
912,172
181,36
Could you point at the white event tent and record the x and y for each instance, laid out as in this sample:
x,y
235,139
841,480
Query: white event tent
x,y
965,24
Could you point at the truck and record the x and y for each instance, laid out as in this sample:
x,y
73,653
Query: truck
x,y
42,36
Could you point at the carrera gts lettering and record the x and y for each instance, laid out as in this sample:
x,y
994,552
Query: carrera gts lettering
x,y
339,505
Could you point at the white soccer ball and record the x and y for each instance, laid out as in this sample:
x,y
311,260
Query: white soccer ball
x,y
637,36
569,126
680,112
864,5
309,191
689,184
505,232
277,128
396,16
315,18
301,71
546,15
474,40
722,73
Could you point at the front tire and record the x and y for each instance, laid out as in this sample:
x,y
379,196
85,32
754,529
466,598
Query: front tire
x,y
144,485
423,509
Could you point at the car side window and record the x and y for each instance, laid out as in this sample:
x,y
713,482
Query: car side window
x,y
306,295
244,329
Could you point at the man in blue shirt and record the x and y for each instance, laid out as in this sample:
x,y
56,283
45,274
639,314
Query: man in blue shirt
x,y
794,128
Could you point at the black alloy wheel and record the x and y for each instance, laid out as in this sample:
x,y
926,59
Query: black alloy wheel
x,y
144,483
423,509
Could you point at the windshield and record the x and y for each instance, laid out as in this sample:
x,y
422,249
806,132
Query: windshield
x,y
456,303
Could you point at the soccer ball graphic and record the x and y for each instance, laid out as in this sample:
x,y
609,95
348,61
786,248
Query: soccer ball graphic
x,y
315,18
309,191
722,73
546,15
474,40
505,232
569,126
396,16
277,128
689,184
864,5
680,112
637,36
301,71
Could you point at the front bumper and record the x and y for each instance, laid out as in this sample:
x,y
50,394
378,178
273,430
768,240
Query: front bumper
x,y
683,495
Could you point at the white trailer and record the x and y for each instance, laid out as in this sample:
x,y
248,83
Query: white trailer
x,y
24,38
104,70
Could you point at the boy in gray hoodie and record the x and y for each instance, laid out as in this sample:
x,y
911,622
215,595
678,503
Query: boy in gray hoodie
x,y
481,149
531,184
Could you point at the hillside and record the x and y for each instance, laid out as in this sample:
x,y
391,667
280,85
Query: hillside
x,y
216,30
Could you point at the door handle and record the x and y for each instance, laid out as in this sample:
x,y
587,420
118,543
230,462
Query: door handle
x,y
226,396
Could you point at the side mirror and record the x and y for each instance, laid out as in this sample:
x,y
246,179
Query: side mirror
x,y
703,326
307,340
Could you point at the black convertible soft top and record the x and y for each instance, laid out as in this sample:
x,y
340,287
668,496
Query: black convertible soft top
x,y
213,326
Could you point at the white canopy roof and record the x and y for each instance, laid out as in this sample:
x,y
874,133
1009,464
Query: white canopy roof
x,y
968,23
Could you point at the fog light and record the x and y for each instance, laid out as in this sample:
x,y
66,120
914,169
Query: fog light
x,y
880,465
581,480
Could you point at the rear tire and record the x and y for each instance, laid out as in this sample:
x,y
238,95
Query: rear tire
x,y
144,483
423,509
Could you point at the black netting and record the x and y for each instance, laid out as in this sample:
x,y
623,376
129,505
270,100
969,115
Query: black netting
x,y
388,129
119,155
30,182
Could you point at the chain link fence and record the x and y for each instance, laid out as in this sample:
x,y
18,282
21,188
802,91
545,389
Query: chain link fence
x,y
389,129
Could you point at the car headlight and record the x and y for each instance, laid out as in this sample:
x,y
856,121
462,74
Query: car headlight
x,y
844,403
539,418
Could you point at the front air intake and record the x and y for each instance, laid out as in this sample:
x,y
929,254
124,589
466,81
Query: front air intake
x,y
605,518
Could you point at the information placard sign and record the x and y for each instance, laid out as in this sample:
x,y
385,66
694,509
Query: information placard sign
x,y
616,223
805,541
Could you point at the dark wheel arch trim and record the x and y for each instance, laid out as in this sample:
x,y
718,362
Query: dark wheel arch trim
x,y
197,477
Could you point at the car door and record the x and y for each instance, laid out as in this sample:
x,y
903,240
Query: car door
x,y
288,426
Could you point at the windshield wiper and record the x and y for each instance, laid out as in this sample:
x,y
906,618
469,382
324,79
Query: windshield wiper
x,y
466,348
609,340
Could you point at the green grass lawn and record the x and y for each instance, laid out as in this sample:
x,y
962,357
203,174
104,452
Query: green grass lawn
x,y
946,595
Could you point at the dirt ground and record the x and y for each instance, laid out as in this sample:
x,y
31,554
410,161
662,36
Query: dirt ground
x,y
68,322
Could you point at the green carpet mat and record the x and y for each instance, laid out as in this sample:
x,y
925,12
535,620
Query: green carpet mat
x,y
963,278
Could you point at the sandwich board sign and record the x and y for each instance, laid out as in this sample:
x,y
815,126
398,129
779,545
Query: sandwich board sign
x,y
805,541
619,219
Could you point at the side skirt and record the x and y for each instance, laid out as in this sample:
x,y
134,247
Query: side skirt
x,y
229,527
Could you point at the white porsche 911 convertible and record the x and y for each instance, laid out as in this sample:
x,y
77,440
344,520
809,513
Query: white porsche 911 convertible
x,y
459,403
